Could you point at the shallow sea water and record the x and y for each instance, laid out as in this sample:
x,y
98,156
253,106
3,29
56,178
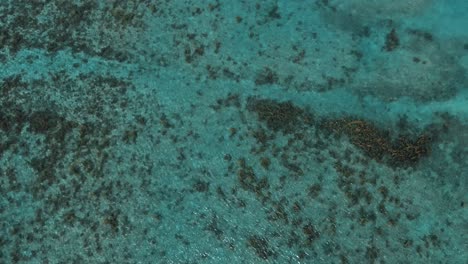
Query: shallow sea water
x,y
234,131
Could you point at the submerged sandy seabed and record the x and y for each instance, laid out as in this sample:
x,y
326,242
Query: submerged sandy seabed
x,y
211,132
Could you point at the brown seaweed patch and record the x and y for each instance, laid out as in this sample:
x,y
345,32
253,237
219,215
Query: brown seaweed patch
x,y
378,144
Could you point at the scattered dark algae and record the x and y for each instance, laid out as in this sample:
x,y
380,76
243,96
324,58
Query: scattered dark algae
x,y
77,151
367,199
392,41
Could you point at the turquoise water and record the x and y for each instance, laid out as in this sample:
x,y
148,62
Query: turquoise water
x,y
234,131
